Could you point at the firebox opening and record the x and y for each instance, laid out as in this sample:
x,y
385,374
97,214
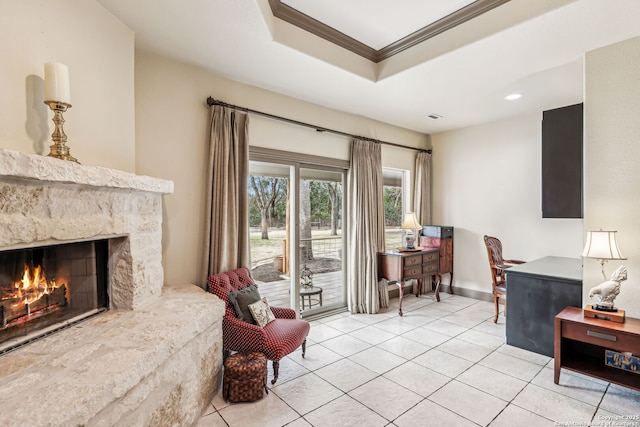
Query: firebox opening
x,y
46,288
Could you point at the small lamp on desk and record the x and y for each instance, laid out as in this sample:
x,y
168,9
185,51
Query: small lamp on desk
x,y
410,223
601,245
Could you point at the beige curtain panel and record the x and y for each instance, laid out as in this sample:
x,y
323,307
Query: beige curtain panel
x,y
366,225
226,245
422,188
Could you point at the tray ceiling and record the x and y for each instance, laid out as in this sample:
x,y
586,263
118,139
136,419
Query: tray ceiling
x,y
535,48
379,29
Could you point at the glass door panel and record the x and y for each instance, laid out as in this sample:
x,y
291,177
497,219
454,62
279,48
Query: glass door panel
x,y
269,230
321,243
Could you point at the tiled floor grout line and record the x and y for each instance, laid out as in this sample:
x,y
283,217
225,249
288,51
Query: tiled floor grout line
x,y
600,401
423,398
530,382
406,361
303,415
347,326
451,378
509,402
346,393
410,360
454,378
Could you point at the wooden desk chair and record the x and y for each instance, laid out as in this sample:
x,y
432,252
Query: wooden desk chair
x,y
498,265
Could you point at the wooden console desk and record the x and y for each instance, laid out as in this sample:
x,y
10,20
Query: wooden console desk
x,y
580,344
402,266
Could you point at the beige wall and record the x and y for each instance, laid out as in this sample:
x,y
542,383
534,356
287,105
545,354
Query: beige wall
x,y
171,142
612,153
486,180
98,50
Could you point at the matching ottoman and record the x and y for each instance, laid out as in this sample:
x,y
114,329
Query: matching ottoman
x,y
245,377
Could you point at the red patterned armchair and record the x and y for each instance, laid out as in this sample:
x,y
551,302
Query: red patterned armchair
x,y
277,339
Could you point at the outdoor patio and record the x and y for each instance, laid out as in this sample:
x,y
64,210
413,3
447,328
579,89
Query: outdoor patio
x,y
277,293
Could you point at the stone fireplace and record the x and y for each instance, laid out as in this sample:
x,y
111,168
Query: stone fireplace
x,y
152,354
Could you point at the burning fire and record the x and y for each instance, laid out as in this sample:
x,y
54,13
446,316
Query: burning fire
x,y
33,285
30,297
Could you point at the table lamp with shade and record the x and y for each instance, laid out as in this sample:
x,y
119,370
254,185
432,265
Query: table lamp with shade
x,y
602,246
410,224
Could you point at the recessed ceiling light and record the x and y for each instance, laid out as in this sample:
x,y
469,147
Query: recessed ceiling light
x,y
512,96
434,116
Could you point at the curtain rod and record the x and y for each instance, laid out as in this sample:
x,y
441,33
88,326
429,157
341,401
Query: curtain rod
x,y
211,101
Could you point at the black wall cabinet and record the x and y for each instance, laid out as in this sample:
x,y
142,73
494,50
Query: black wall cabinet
x,y
562,162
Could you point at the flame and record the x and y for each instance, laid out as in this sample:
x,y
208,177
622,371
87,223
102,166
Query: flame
x,y
33,285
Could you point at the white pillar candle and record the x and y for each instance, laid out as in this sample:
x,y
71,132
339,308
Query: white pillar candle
x,y
56,83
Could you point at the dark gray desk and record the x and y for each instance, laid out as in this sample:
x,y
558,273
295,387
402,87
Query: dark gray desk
x,y
536,292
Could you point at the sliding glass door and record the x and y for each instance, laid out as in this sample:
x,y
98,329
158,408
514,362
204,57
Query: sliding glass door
x,y
296,234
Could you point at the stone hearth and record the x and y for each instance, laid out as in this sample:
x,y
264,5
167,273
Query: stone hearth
x,y
155,357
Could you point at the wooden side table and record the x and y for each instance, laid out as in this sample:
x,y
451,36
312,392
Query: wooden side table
x,y
580,344
402,266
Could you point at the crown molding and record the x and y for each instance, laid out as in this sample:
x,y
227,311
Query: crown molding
x,y
294,17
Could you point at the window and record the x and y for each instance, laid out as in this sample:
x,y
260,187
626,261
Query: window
x,y
395,205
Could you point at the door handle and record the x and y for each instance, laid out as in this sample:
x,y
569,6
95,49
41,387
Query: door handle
x,y
602,336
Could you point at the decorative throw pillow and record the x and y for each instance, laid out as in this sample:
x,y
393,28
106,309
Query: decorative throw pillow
x,y
261,312
240,301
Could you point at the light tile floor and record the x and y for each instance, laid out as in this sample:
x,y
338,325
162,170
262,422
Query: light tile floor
x,y
442,364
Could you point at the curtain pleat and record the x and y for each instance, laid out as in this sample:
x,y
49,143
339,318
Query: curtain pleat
x,y
422,188
226,245
366,225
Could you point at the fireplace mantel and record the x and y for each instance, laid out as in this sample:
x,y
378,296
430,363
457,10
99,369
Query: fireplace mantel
x,y
14,164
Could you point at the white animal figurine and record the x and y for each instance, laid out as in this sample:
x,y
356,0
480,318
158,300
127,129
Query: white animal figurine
x,y
606,292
